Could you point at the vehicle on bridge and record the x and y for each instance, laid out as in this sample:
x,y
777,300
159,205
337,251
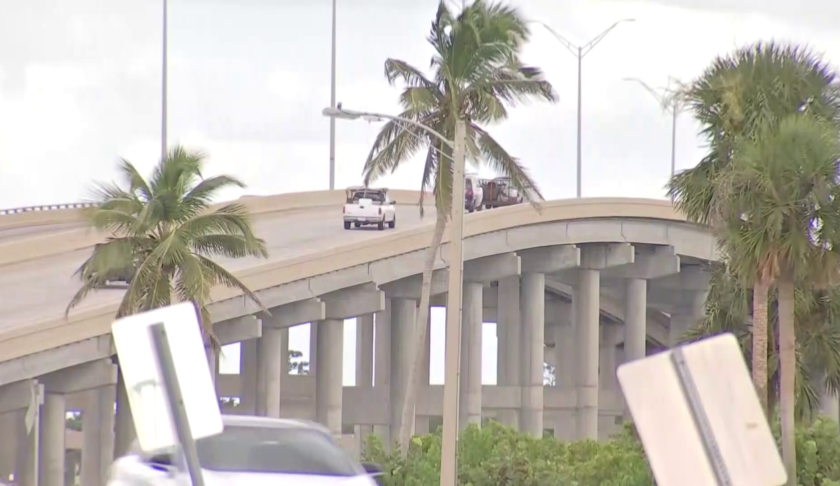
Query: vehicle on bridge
x,y
500,192
473,193
254,451
366,206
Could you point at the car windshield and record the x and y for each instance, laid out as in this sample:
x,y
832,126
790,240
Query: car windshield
x,y
274,450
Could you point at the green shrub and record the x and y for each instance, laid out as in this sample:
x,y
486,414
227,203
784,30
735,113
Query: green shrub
x,y
498,456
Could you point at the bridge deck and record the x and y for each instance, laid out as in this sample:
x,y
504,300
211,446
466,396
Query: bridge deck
x,y
40,289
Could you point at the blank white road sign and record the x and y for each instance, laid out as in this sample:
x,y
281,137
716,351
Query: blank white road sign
x,y
667,426
144,382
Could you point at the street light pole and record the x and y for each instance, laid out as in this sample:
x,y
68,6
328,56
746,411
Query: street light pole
x,y
163,84
452,370
670,102
580,52
332,100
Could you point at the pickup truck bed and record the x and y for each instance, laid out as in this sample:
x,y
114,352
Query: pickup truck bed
x,y
366,212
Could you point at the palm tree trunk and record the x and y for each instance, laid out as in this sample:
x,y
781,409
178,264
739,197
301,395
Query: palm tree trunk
x,y
408,405
787,372
759,342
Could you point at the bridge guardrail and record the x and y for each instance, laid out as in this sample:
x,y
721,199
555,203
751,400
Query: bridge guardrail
x,y
45,207
56,242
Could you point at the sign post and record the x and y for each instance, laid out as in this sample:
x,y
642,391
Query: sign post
x,y
172,388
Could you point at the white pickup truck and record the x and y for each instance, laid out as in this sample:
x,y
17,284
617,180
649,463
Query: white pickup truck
x,y
367,206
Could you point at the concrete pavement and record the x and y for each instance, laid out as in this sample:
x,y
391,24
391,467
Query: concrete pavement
x,y
40,289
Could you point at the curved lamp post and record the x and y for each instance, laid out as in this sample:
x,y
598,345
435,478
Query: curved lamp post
x,y
669,101
580,51
456,282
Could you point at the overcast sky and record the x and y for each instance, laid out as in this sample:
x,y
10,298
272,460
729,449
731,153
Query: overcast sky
x,y
80,87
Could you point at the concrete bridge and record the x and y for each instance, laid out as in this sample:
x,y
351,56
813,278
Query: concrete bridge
x,y
584,285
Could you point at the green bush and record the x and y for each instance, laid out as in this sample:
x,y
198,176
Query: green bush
x,y
498,456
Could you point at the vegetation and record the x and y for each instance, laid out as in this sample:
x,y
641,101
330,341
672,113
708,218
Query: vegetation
x,y
477,74
497,456
768,187
165,235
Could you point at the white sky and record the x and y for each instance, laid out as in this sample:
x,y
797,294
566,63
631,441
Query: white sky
x,y
79,87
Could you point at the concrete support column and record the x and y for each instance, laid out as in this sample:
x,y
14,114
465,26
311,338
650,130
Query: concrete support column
x,y
564,371
97,435
382,363
313,348
510,342
635,323
608,358
268,372
53,428
9,444
635,319
328,374
403,315
284,355
248,374
532,300
212,362
421,422
470,383
364,369
26,459
685,314
587,329
124,423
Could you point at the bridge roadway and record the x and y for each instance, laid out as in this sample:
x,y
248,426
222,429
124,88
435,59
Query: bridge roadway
x,y
632,260
40,289
37,281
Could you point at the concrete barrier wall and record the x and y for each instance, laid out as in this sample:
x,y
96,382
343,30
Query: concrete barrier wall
x,y
66,240
68,213
95,321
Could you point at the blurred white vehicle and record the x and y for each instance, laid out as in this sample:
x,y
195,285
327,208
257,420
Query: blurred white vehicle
x,y
473,193
367,206
251,451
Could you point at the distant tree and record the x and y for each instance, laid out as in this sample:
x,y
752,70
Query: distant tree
x,y
74,422
296,364
549,375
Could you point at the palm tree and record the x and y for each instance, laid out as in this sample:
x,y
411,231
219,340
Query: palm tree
x,y
164,236
728,309
477,76
777,211
738,94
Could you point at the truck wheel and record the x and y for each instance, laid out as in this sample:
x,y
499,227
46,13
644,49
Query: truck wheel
x,y
393,223
381,225
471,208
358,225
347,225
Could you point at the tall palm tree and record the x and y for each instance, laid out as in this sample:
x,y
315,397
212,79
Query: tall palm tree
x,y
476,76
738,94
777,205
164,235
728,309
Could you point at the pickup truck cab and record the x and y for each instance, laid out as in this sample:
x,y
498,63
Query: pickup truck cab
x,y
366,206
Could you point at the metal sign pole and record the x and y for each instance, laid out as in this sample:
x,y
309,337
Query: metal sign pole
x,y
701,420
172,388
